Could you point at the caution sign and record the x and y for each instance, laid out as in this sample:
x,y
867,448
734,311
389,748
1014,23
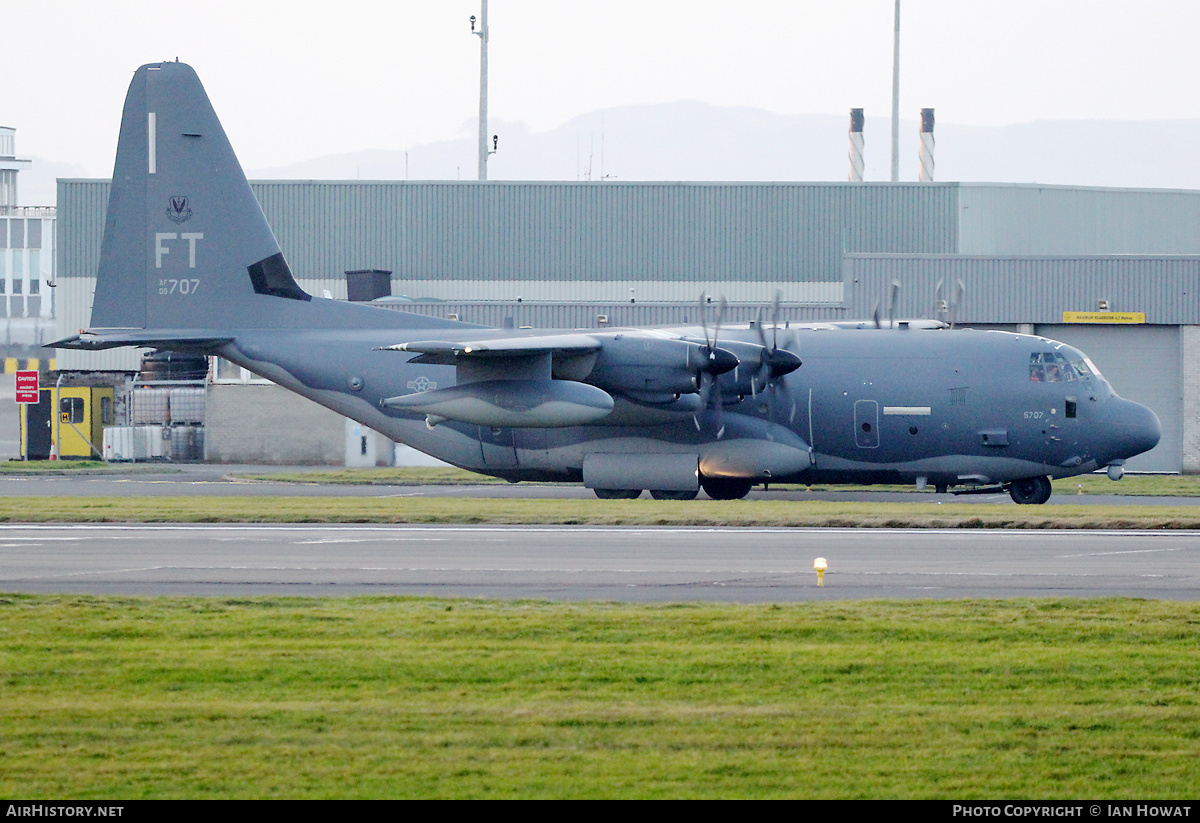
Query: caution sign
x,y
27,387
1104,317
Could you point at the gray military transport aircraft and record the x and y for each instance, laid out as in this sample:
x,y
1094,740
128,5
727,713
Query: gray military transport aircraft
x,y
189,263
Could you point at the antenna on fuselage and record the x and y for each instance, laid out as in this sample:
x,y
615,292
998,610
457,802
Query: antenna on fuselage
x,y
960,289
940,309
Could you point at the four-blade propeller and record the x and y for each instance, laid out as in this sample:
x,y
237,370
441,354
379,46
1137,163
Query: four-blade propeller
x,y
775,360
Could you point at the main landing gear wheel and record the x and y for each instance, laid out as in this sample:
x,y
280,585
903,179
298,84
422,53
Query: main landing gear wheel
x,y
726,488
1030,491
670,494
618,494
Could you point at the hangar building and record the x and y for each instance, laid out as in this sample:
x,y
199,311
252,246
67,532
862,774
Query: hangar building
x,y
1030,258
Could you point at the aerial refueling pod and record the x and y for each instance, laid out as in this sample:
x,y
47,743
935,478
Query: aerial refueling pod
x,y
510,403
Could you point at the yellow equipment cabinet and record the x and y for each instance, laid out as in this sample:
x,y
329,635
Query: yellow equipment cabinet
x,y
82,413
73,416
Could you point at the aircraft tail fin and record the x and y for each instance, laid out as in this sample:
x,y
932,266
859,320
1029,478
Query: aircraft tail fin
x,y
186,244
187,256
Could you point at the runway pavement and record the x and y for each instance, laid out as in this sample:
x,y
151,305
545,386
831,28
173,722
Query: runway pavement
x,y
596,563
568,563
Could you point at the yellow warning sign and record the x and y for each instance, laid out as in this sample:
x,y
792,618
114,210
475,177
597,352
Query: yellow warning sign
x,y
1104,317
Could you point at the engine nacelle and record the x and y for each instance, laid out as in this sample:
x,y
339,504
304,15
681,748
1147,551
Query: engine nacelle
x,y
650,365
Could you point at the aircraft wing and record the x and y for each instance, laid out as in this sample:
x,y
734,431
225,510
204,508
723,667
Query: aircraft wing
x,y
450,353
576,378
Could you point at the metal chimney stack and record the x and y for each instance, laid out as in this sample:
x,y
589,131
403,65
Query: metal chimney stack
x,y
926,145
856,145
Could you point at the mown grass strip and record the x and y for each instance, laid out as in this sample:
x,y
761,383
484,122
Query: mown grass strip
x,y
109,697
587,512
1134,485
80,467
1156,485
405,476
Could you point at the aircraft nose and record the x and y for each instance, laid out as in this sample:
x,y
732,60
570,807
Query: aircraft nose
x,y
1131,428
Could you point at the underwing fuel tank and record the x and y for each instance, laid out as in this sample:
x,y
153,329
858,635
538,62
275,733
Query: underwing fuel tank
x,y
511,403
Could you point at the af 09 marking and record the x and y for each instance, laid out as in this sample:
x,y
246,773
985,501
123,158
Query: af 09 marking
x,y
174,286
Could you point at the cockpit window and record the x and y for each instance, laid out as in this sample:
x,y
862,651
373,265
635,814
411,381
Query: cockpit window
x,y
1053,367
1090,366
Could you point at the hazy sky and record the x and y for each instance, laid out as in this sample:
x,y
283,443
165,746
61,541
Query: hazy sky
x,y
295,80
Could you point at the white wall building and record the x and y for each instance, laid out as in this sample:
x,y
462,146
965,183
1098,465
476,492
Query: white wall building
x,y
26,257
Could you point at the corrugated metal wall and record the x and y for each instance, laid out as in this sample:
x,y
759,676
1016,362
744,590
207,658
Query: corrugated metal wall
x,y
1060,220
567,242
584,315
672,232
1029,289
687,232
82,204
592,242
770,232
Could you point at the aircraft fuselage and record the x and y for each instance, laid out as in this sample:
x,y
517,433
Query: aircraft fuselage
x,y
946,408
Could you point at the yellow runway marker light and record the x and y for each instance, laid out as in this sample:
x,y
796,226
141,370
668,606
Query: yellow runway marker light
x,y
820,565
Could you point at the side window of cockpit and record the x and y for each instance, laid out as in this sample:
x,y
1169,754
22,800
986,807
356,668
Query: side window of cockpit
x,y
1037,367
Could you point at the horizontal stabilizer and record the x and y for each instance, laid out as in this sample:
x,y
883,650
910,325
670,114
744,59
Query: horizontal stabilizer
x,y
145,338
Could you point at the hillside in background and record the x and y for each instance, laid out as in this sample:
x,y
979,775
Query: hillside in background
x,y
699,141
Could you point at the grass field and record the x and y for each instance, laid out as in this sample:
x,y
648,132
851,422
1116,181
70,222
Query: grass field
x,y
129,698
646,512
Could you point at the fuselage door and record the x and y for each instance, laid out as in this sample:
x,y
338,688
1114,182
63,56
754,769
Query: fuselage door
x,y
866,424
499,447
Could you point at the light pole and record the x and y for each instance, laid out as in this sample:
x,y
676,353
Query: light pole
x,y
895,98
482,34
